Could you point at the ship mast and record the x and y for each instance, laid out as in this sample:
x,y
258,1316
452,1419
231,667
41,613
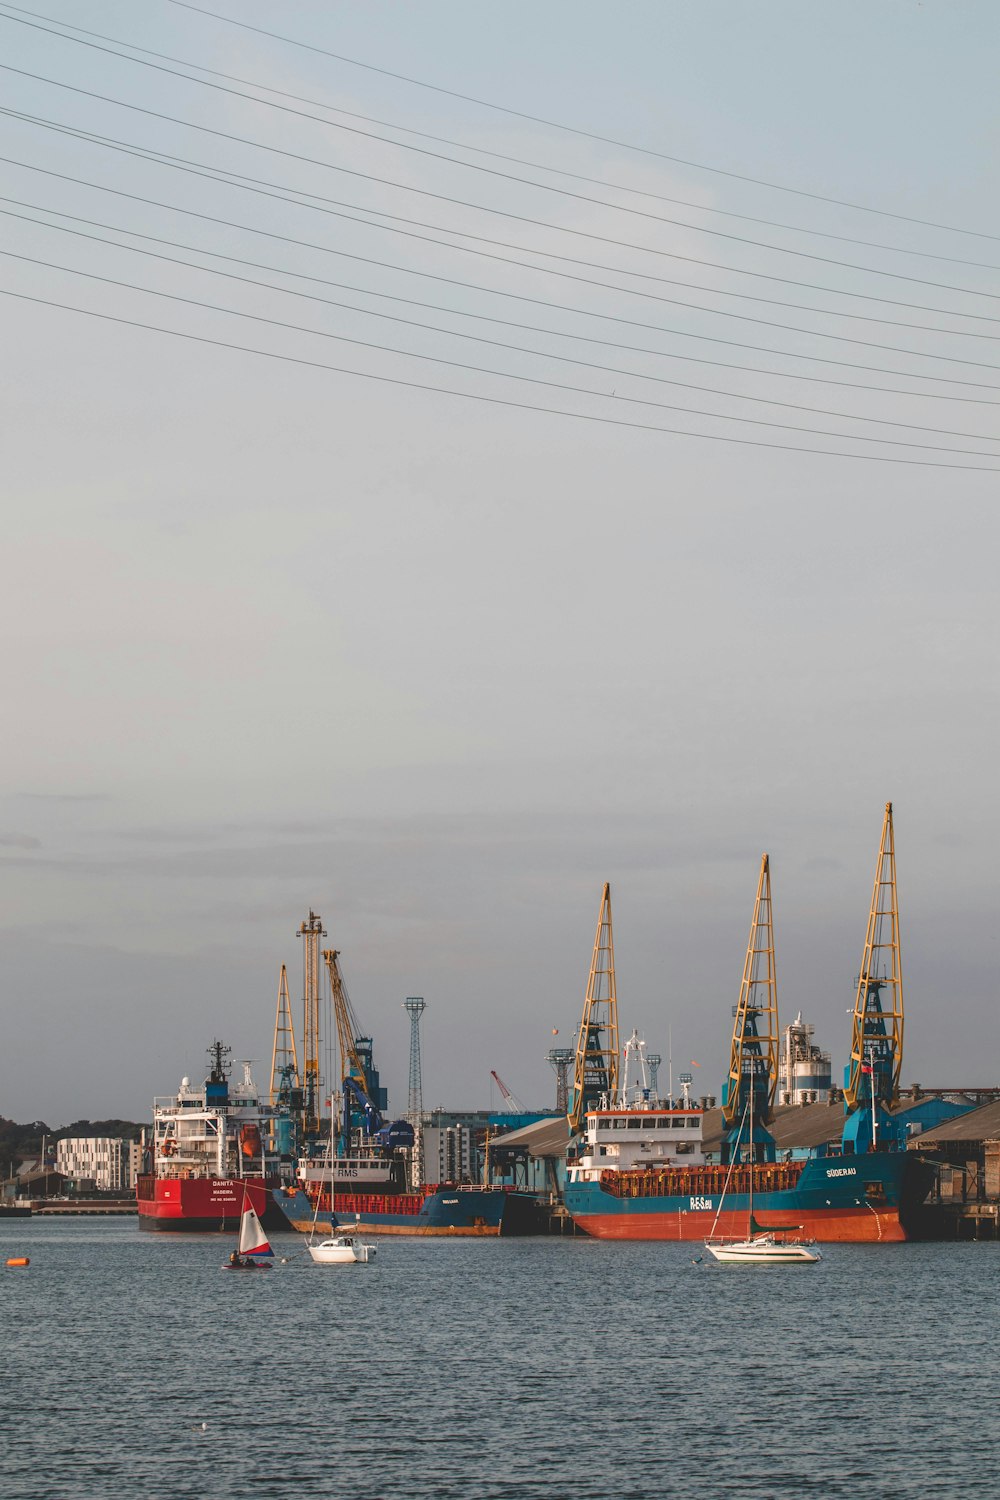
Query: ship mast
x,y
595,1072
871,1083
748,1097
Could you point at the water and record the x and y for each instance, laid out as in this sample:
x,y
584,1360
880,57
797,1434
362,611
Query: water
x,y
491,1370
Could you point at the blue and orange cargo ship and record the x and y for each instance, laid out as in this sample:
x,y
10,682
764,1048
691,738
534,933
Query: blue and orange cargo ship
x,y
625,1182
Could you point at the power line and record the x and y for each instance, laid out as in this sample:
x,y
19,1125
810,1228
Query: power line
x,y
493,400
224,174
588,134
494,155
455,364
476,338
163,159
471,166
487,208
607,317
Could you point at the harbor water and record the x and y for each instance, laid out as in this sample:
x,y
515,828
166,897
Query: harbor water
x,y
133,1366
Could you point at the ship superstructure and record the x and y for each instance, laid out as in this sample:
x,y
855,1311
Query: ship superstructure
x,y
208,1145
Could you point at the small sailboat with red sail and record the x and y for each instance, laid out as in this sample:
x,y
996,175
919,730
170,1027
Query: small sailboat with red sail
x,y
253,1252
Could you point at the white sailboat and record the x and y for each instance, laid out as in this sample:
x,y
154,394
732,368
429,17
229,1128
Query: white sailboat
x,y
253,1252
341,1249
761,1244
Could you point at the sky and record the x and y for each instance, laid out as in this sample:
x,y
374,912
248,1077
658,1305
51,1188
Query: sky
x,y
281,637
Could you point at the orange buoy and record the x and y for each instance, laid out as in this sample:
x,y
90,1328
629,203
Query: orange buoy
x,y
19,1260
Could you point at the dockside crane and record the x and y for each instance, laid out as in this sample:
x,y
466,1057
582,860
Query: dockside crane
x,y
311,931
748,1094
595,1072
511,1103
284,1057
871,1079
363,1099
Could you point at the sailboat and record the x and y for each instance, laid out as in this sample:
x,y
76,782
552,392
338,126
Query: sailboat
x,y
761,1244
341,1249
252,1251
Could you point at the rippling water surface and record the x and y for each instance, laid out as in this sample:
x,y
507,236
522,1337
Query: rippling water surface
x,y
499,1369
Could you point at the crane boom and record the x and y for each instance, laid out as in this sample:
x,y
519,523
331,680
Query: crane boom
x,y
595,1071
871,1082
512,1102
346,1022
748,1097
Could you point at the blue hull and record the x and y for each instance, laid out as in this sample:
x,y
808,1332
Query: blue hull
x,y
855,1199
442,1211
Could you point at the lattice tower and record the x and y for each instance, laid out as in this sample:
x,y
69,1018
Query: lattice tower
x,y
415,1005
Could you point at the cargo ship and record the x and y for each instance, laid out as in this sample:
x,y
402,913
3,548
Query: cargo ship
x,y
210,1148
465,1209
636,1167
359,1184
640,1174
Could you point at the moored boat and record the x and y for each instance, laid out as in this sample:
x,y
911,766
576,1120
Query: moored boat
x,y
466,1210
643,1192
209,1151
341,1250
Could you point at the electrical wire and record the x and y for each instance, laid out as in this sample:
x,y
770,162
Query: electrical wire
x,y
492,343
456,161
494,400
488,208
455,312
494,155
588,134
504,260
225,174
455,364
515,296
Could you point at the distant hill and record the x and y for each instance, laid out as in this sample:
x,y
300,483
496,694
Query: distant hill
x,y
20,1141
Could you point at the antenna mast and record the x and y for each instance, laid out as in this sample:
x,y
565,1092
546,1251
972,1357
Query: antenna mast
x,y
753,1061
595,1070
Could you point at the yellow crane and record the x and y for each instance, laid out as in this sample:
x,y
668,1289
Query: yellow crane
x,y
311,931
284,1057
595,1072
748,1097
872,1083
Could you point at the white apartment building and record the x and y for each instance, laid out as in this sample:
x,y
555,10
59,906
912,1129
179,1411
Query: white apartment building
x,y
111,1163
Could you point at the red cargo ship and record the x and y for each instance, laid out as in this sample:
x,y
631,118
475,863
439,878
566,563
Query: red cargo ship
x,y
209,1147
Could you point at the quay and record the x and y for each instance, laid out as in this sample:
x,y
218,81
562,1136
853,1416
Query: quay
x,y
81,1207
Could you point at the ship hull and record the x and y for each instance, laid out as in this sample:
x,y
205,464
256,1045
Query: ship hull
x,y
863,1200
204,1204
441,1212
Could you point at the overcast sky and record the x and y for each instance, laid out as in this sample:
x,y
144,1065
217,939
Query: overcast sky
x,y
280,638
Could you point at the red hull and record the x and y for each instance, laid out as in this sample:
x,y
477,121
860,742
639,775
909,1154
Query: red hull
x,y
203,1203
854,1225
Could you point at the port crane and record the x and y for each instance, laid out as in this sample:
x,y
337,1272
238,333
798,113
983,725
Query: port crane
x,y
595,1071
748,1094
363,1100
871,1078
284,1057
511,1103
310,931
